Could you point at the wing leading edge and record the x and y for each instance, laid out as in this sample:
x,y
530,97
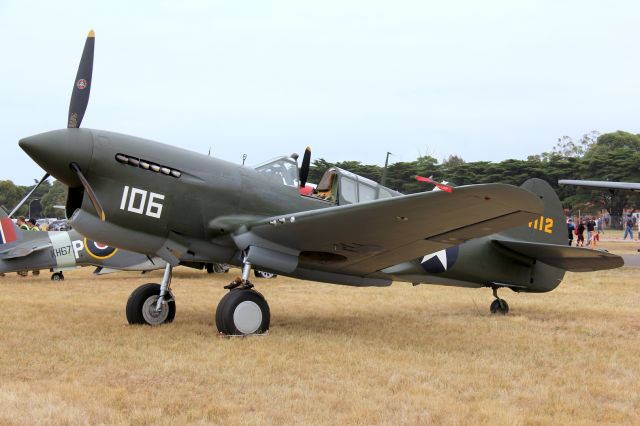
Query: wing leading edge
x,y
361,239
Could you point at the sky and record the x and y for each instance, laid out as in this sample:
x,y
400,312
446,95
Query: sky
x,y
486,80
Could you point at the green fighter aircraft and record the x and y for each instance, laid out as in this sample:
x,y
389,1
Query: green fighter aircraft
x,y
161,200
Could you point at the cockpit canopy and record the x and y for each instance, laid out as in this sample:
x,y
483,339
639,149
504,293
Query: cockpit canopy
x,y
337,186
344,187
281,170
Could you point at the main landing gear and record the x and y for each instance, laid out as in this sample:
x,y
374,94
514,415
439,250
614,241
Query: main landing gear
x,y
57,276
498,306
152,304
242,311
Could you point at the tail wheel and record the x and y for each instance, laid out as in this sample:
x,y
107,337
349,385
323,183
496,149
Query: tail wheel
x,y
243,312
141,306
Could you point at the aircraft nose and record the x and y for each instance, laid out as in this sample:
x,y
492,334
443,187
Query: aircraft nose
x,y
54,151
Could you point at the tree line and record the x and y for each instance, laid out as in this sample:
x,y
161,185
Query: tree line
x,y
610,157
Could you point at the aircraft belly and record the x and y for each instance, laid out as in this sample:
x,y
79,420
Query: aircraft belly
x,y
475,263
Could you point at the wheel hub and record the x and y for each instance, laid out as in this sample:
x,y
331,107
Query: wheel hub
x,y
151,314
247,317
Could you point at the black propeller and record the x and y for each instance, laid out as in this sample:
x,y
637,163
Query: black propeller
x,y
304,167
26,197
82,84
77,108
89,191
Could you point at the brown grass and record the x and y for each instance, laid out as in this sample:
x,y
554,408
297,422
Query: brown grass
x,y
335,355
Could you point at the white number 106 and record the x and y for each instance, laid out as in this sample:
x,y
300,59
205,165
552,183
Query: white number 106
x,y
138,201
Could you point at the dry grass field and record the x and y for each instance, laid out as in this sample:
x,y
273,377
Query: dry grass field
x,y
334,355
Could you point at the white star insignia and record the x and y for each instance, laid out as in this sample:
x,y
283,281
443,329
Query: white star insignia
x,y
441,255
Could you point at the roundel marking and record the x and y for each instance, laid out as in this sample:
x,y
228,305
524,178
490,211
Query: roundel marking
x,y
99,250
82,84
440,261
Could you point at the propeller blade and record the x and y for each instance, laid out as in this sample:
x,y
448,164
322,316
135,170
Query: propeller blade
x,y
82,84
440,186
89,191
26,197
304,167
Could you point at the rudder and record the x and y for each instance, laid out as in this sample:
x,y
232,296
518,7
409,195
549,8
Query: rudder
x,y
9,232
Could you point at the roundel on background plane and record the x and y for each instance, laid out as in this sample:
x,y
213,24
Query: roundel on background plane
x,y
441,261
99,250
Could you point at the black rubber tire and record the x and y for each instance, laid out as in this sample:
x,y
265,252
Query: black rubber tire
x,y
228,305
495,307
263,274
57,276
138,298
219,310
209,268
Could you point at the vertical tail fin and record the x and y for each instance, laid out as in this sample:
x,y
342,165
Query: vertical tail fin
x,y
550,227
9,232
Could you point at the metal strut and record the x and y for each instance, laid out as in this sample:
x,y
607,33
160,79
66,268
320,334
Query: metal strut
x,y
243,281
495,294
164,286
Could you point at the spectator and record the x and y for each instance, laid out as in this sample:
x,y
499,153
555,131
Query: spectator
x,y
21,223
571,228
628,227
31,223
580,234
33,227
591,227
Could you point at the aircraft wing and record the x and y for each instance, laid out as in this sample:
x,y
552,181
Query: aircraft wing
x,y
360,239
24,249
575,259
629,186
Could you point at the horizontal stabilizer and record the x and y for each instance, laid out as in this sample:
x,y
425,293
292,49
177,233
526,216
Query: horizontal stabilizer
x,y
22,250
574,259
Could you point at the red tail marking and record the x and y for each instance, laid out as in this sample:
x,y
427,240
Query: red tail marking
x,y
442,186
7,231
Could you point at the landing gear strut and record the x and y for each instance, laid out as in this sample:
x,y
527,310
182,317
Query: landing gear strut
x,y
499,305
152,304
243,310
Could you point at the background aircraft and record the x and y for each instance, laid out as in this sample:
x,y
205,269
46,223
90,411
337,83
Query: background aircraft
x,y
598,184
22,250
185,207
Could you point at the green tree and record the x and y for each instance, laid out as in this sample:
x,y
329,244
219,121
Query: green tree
x,y
56,195
10,194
